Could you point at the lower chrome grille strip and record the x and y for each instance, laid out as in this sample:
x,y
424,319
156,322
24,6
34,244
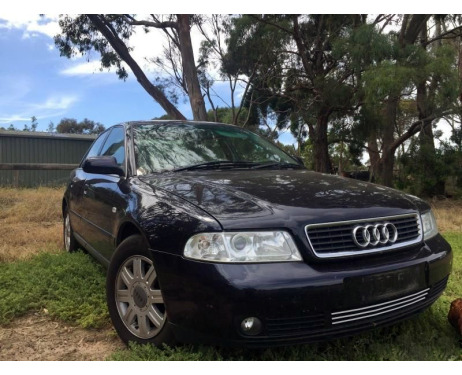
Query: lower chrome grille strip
x,y
345,316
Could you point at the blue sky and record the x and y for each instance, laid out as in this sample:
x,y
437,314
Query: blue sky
x,y
36,81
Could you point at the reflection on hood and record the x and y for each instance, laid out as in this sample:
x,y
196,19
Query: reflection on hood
x,y
231,194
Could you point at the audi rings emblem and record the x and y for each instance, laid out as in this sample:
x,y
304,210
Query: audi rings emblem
x,y
373,235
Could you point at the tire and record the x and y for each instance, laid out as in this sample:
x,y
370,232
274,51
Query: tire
x,y
70,243
134,298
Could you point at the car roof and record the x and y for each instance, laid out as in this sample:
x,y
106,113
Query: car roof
x,y
175,122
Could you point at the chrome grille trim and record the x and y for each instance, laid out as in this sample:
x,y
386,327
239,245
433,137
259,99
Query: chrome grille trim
x,y
346,247
345,316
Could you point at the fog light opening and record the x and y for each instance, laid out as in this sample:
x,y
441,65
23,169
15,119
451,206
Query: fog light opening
x,y
251,326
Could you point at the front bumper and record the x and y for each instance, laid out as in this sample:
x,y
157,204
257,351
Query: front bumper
x,y
299,302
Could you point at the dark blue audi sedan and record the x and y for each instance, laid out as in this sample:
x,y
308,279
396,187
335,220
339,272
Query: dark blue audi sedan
x,y
212,234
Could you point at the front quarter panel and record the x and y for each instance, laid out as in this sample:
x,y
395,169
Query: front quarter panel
x,y
167,220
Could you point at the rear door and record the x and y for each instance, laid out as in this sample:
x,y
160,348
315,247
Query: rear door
x,y
76,190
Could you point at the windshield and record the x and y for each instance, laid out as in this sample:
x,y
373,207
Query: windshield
x,y
166,147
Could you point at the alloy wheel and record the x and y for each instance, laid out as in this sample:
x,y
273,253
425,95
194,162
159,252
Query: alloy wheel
x,y
138,297
67,233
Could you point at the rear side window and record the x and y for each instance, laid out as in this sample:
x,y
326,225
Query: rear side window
x,y
115,145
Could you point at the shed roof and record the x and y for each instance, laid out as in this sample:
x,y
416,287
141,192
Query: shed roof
x,y
10,133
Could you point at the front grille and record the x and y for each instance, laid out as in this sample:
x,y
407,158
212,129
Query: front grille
x,y
288,326
317,326
367,312
331,240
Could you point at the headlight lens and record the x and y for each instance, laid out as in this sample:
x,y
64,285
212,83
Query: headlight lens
x,y
429,225
242,247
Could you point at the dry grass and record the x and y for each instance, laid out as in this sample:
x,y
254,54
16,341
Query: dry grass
x,y
30,222
448,215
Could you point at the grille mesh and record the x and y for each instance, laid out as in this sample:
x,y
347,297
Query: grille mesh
x,y
331,240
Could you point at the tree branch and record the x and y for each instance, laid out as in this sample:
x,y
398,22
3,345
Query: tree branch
x,y
158,25
106,29
261,19
454,33
416,127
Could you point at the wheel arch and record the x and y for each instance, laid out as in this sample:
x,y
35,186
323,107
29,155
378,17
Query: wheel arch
x,y
64,206
127,229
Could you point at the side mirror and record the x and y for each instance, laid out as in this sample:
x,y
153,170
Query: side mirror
x,y
102,165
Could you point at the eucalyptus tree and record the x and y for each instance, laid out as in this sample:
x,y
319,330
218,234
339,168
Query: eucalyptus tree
x,y
109,35
410,72
433,94
299,79
72,126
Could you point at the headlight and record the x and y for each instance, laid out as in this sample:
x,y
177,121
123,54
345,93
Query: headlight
x,y
429,225
242,247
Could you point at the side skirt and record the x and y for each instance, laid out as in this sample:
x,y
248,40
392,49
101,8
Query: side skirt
x,y
92,250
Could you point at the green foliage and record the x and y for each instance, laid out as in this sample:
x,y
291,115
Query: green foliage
x,y
33,123
71,126
70,286
51,127
27,128
444,162
138,352
306,153
225,116
441,65
252,42
363,46
80,36
416,162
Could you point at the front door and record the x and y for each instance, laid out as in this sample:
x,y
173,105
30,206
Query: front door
x,y
104,200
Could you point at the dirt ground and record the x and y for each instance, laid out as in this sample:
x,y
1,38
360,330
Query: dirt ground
x,y
37,337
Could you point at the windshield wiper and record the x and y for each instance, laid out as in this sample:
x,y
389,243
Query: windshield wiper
x,y
277,164
216,164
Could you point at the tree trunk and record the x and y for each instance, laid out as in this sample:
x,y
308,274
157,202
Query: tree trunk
x,y
189,68
374,156
123,52
431,182
386,163
322,161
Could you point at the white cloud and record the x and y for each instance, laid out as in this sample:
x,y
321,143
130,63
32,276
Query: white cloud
x,y
13,118
32,26
52,106
85,68
57,102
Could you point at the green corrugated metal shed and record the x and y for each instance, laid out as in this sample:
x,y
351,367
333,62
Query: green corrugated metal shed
x,y
38,147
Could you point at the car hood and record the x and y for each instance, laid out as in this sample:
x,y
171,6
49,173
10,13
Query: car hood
x,y
275,198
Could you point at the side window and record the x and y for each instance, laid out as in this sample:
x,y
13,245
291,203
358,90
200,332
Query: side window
x,y
115,145
95,147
